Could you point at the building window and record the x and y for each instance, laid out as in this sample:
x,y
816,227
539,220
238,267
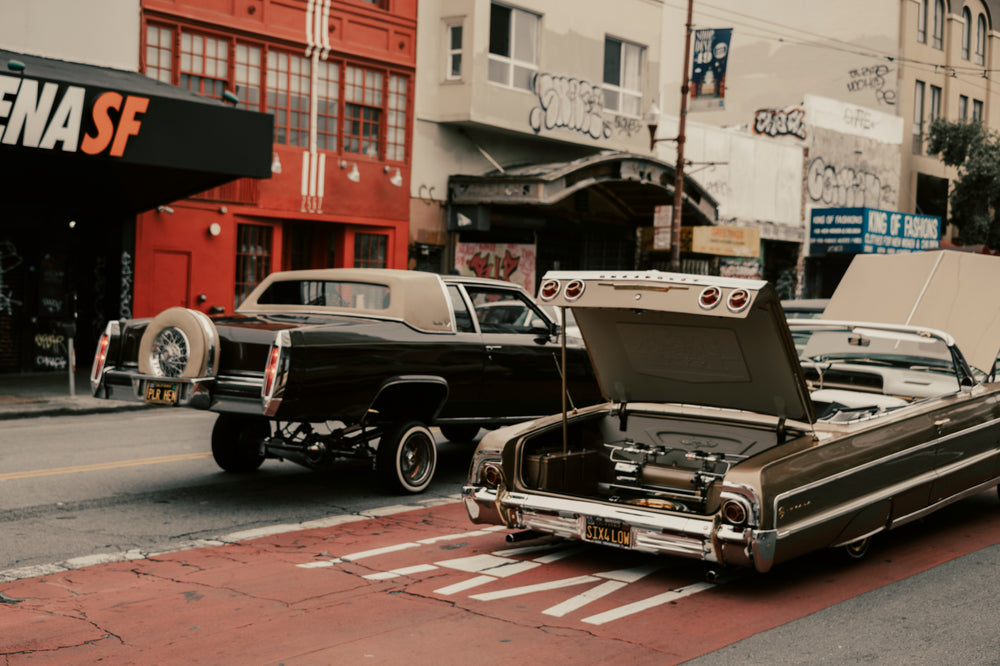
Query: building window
x,y
935,103
513,59
204,64
327,98
981,40
977,110
453,61
370,250
288,97
395,126
159,53
937,37
966,32
963,107
918,117
253,258
623,77
248,76
922,21
362,110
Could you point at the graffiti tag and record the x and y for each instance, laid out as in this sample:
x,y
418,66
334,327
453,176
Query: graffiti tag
x,y
126,286
844,187
780,122
482,266
872,78
569,103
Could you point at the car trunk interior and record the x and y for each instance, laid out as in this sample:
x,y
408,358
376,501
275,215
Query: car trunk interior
x,y
653,461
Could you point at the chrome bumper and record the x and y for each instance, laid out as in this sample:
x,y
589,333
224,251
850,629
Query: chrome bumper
x,y
224,393
695,537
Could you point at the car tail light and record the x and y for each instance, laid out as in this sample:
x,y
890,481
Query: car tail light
x,y
106,347
710,297
735,512
548,290
275,374
492,475
271,372
574,290
739,300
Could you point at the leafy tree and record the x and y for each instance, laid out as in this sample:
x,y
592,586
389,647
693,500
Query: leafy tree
x,y
975,197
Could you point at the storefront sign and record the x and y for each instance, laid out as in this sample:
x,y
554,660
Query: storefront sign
x,y
871,231
500,261
721,241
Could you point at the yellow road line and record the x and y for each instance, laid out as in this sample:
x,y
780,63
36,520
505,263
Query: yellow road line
x,y
99,466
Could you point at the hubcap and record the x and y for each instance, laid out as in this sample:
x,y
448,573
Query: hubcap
x,y
414,458
168,355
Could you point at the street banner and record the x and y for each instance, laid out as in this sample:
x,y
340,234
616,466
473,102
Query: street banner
x,y
708,69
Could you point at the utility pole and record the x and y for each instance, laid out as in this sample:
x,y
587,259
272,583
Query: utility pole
x,y
675,222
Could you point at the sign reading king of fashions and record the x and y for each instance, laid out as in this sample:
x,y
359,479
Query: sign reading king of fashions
x,y
47,115
871,231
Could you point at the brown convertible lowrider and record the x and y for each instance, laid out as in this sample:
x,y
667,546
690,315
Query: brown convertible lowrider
x,y
717,442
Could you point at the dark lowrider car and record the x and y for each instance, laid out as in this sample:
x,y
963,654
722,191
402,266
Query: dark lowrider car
x,y
321,364
717,443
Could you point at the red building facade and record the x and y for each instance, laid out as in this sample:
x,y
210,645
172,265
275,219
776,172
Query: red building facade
x,y
337,75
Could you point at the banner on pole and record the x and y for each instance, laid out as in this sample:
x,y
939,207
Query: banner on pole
x,y
708,70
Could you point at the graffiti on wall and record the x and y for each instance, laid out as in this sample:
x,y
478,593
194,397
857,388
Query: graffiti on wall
x,y
843,187
780,122
51,352
9,260
500,261
872,78
569,103
125,311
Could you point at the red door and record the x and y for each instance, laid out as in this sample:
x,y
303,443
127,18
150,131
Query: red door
x,y
171,279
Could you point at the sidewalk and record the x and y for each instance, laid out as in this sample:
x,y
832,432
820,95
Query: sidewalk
x,y
33,394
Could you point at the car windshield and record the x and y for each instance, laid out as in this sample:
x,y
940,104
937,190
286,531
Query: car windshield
x,y
327,293
877,346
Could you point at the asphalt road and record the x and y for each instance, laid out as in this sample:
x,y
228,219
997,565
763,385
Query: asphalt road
x,y
78,487
104,483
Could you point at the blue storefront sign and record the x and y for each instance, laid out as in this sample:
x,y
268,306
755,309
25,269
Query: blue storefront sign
x,y
871,231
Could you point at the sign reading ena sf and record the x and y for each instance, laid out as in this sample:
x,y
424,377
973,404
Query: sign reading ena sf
x,y
27,118
871,231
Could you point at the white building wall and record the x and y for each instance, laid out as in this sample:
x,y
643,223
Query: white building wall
x,y
94,32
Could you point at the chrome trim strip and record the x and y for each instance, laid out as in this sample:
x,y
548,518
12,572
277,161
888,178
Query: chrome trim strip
x,y
916,515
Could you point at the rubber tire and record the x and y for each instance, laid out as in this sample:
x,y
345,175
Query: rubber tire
x,y
203,338
236,442
460,433
856,550
406,457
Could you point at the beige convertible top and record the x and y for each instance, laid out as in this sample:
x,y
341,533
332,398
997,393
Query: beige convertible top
x,y
955,292
418,298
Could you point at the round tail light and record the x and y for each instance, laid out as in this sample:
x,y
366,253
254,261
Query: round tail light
x,y
739,300
574,290
548,290
735,512
492,475
710,297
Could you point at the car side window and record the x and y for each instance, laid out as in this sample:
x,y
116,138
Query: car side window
x,y
463,320
500,311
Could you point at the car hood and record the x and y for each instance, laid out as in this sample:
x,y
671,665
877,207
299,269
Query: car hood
x,y
947,290
651,339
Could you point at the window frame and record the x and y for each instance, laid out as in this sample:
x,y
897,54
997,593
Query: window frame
x,y
966,33
453,54
509,61
919,89
963,107
977,110
620,90
937,34
922,21
981,29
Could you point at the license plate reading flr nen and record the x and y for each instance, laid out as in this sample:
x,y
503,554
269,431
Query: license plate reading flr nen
x,y
608,532
161,393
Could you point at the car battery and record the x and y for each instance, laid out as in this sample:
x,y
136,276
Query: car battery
x,y
558,471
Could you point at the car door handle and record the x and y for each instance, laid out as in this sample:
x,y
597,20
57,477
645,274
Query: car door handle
x,y
942,422
493,347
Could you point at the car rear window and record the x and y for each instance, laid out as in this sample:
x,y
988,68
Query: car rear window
x,y
327,293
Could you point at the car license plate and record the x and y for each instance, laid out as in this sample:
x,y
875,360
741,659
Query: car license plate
x,y
161,393
608,532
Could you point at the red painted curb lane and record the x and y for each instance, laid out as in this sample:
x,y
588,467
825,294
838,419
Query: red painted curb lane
x,y
428,587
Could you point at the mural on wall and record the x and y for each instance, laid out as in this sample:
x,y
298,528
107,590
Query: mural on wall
x,y
852,172
501,261
780,122
872,78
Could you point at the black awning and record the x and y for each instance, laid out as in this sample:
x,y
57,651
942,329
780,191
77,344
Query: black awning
x,y
84,140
